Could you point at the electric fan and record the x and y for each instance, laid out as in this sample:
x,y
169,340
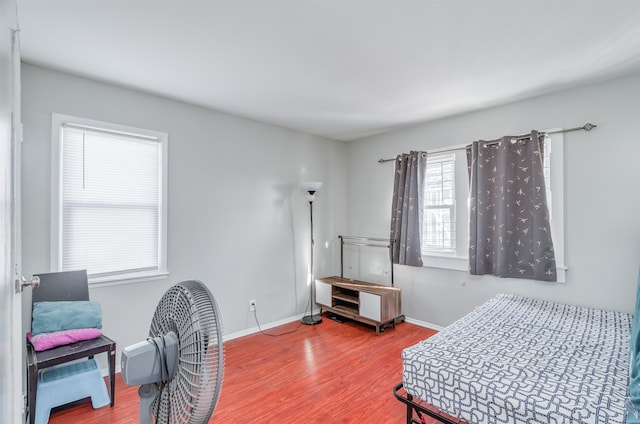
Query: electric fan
x,y
179,368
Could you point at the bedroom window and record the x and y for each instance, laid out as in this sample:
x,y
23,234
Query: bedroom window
x,y
108,200
439,229
439,216
445,215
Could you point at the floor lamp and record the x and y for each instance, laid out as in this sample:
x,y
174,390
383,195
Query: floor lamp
x,y
311,188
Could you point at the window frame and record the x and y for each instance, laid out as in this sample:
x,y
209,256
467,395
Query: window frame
x,y
441,158
556,214
57,123
458,259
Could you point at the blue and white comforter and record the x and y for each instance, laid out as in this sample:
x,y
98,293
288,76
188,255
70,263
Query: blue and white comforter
x,y
521,360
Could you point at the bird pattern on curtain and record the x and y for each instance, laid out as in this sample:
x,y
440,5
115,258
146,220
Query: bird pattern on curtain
x,y
509,229
406,212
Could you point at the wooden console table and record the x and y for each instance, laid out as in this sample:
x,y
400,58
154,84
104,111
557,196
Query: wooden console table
x,y
369,303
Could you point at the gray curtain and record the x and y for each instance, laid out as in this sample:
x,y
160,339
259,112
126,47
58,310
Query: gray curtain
x,y
406,212
509,231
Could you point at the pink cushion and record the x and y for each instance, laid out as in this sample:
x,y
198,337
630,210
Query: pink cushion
x,y
44,341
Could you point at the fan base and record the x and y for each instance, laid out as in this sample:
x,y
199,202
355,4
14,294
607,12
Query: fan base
x,y
311,319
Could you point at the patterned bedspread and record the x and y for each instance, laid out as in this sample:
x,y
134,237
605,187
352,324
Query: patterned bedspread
x,y
520,360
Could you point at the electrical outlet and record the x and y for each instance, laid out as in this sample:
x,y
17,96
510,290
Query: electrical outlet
x,y
252,305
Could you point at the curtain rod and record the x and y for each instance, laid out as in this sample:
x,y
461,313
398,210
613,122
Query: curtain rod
x,y
586,127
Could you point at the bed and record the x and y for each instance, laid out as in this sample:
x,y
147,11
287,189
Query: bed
x,y
521,360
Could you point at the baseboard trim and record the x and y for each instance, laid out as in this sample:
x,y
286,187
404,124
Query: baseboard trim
x,y
256,329
267,326
283,321
423,324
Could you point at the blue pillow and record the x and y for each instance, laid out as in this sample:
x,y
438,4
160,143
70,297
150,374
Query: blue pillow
x,y
68,315
633,402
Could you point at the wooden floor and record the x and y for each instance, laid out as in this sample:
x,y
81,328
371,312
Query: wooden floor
x,y
328,373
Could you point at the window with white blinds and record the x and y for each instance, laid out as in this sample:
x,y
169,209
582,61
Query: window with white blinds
x,y
111,195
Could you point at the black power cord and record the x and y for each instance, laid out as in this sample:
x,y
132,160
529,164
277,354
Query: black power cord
x,y
255,315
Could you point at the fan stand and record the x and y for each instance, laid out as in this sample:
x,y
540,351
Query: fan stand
x,y
180,366
146,393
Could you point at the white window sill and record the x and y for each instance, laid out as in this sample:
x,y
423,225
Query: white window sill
x,y
456,263
460,263
115,280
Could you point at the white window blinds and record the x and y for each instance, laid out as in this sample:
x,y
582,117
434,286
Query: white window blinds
x,y
111,194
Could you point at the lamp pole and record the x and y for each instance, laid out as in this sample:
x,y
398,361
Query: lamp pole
x,y
311,319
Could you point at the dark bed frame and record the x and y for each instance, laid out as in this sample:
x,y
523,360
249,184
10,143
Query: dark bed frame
x,y
420,409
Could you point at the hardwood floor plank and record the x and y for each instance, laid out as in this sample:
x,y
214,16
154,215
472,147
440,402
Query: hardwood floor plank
x,y
328,373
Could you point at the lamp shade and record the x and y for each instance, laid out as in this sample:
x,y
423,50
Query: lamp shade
x,y
311,187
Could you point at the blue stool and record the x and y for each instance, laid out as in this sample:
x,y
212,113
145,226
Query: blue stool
x,y
67,383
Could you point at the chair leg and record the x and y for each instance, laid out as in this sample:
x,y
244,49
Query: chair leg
x,y
112,376
32,389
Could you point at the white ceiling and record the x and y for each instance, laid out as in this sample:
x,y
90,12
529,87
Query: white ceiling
x,y
343,69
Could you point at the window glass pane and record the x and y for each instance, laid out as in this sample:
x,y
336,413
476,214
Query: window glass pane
x,y
439,229
439,223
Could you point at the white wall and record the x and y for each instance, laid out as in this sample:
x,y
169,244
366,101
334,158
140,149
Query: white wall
x,y
602,199
238,220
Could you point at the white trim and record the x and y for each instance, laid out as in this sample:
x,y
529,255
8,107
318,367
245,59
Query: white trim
x,y
283,321
116,280
13,381
236,335
256,329
557,202
56,188
423,324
